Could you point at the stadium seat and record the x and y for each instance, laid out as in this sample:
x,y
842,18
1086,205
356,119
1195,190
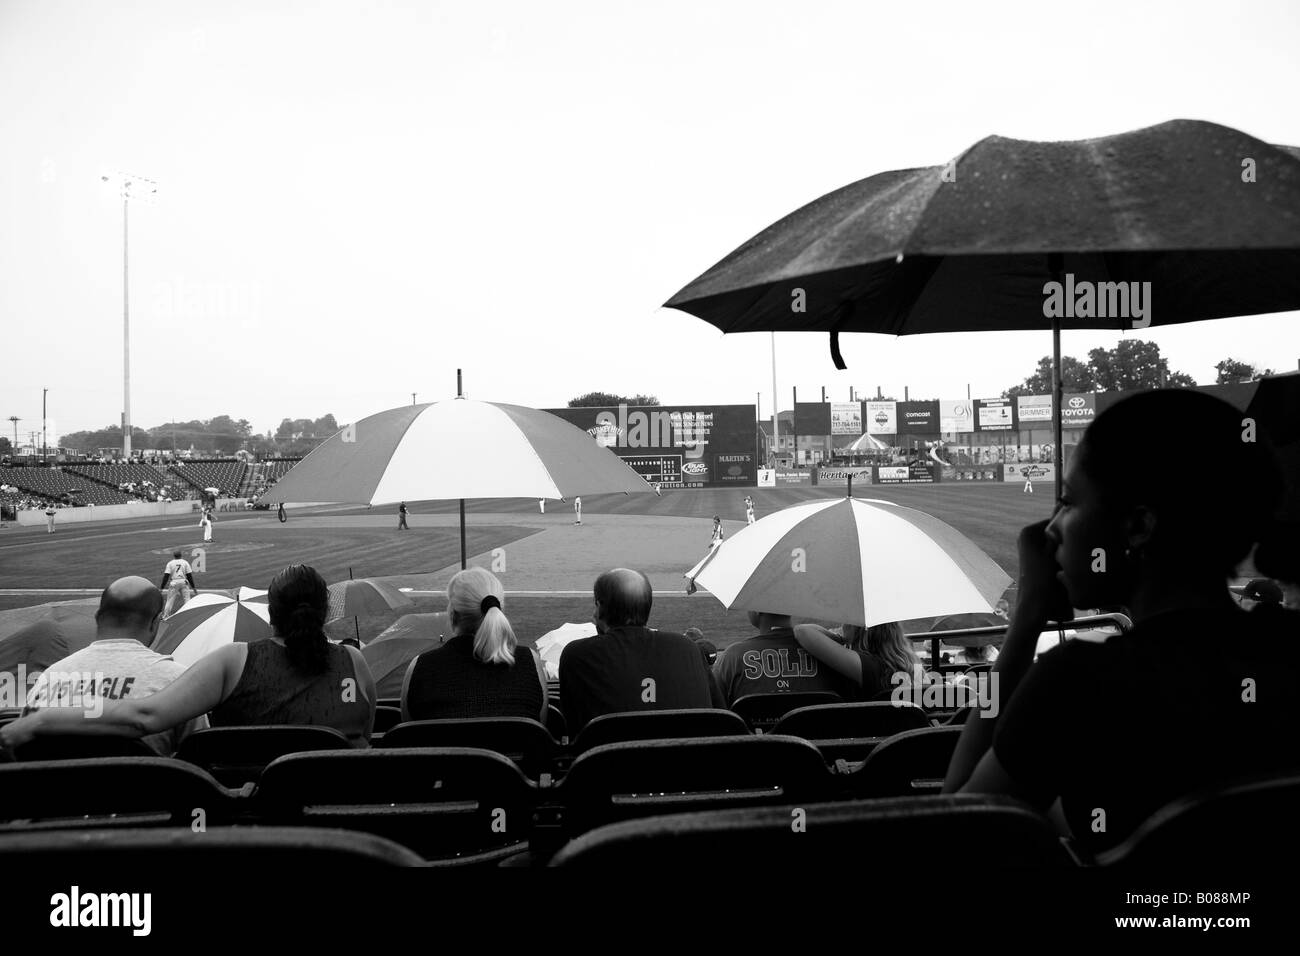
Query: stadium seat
x,y
111,791
912,763
859,719
82,747
644,778
850,731
237,755
1246,826
658,725
762,711
451,805
556,724
386,718
9,713
909,833
227,849
526,742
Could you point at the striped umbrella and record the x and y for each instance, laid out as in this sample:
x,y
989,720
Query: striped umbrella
x,y
502,451
210,621
361,598
853,561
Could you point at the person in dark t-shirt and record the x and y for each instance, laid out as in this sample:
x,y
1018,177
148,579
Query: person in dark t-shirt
x,y
1199,693
867,656
628,666
772,662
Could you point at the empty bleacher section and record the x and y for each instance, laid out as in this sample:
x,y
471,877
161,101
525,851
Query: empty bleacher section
x,y
273,469
56,485
227,475
149,481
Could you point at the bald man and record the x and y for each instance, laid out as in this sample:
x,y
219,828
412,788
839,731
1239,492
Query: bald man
x,y
627,665
119,664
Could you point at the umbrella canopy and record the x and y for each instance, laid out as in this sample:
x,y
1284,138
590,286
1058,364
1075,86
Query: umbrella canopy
x,y
389,660
973,245
551,644
363,597
392,651
210,621
37,637
401,455
854,561
215,491
964,247
508,451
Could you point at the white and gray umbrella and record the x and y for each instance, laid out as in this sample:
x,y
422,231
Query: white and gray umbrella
x,y
454,450
853,561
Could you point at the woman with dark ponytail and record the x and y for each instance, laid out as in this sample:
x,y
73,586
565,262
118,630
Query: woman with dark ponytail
x,y
1200,692
482,671
294,677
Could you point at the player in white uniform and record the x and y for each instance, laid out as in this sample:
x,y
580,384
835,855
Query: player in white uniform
x,y
1029,485
177,582
717,532
541,505
577,509
658,493
749,510
206,524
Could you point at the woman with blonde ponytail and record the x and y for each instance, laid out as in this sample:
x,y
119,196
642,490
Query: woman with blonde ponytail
x,y
482,671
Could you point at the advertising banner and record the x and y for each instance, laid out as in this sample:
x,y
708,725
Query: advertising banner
x,y
994,414
846,418
918,418
733,469
788,477
979,473
1078,409
956,415
840,476
917,473
1033,472
678,445
1033,408
812,418
882,418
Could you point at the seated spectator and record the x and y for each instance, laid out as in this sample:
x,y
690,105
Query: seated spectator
x,y
1199,692
294,677
772,662
868,656
482,671
976,654
627,665
118,664
708,650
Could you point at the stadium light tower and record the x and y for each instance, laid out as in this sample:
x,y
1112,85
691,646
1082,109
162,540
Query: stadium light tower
x,y
138,188
15,419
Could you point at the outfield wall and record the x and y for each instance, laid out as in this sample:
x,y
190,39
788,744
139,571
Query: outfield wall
x,y
136,509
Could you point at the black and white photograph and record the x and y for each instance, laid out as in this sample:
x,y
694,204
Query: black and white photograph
x,y
840,451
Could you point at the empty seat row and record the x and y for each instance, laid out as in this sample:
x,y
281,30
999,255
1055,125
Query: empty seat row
x,y
467,807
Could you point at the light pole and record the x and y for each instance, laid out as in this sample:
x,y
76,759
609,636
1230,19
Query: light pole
x,y
776,428
132,187
45,452
15,419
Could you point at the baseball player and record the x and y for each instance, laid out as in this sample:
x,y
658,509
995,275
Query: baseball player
x,y
577,509
206,524
749,510
177,584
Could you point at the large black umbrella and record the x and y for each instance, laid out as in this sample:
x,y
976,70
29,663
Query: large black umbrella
x,y
1208,215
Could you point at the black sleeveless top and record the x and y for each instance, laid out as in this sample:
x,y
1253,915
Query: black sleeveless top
x,y
450,682
270,691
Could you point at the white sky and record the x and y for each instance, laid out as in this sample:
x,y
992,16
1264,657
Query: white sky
x,y
357,198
